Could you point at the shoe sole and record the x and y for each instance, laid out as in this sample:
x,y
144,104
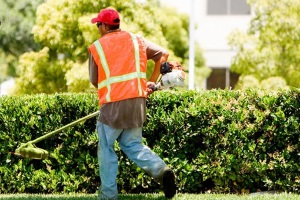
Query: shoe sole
x,y
169,184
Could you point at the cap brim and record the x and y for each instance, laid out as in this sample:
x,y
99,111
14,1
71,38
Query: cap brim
x,y
95,20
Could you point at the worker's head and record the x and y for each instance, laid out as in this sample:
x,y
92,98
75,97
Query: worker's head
x,y
107,19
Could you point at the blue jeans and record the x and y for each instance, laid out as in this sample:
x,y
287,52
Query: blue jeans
x,y
130,141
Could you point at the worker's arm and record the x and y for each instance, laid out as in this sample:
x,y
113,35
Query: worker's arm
x,y
93,71
158,54
156,70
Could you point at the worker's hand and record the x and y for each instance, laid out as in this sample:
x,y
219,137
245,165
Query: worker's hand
x,y
151,87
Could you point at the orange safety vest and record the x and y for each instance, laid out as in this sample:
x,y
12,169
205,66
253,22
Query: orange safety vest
x,y
121,67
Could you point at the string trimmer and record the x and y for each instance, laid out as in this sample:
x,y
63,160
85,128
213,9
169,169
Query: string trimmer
x,y
29,150
172,76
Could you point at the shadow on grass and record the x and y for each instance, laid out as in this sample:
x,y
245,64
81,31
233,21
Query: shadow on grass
x,y
281,196
78,197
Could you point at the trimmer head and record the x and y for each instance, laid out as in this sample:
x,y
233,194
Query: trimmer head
x,y
28,150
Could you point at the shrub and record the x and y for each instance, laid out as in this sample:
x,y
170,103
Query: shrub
x,y
218,140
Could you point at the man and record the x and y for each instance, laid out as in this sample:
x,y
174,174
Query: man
x,y
117,68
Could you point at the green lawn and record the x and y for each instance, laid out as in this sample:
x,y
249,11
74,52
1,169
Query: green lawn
x,y
281,196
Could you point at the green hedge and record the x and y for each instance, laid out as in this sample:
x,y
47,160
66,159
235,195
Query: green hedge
x,y
218,140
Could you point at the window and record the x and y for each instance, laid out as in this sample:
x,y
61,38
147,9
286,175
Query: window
x,y
221,78
228,7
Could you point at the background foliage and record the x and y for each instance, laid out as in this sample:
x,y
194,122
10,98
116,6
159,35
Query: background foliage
x,y
270,50
17,19
63,30
217,141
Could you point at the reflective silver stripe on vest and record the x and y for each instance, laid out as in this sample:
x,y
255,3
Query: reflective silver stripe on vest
x,y
105,67
125,77
115,79
137,60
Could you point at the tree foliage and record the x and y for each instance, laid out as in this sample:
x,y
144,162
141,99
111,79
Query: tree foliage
x,y
271,47
40,73
64,29
17,19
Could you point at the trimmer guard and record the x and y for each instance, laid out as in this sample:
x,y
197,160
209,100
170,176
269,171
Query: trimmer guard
x,y
28,150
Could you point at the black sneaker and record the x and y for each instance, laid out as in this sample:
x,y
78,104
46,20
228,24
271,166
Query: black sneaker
x,y
169,184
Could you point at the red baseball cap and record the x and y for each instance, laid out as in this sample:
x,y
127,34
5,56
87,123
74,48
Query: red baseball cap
x,y
107,16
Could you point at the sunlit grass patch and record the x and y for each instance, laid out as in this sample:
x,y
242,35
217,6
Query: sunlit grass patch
x,y
276,196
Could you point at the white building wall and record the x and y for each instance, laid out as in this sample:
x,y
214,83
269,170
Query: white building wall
x,y
212,34
212,31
